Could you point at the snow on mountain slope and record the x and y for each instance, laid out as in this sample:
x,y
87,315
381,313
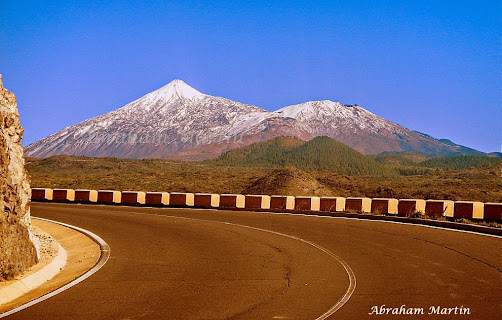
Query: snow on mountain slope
x,y
364,131
176,89
334,113
177,119
170,119
351,125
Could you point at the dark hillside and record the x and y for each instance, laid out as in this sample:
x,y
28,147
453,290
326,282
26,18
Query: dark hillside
x,y
318,154
458,162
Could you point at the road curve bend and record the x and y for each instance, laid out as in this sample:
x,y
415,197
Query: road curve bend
x,y
207,264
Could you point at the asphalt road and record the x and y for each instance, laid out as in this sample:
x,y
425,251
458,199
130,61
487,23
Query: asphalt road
x,y
204,264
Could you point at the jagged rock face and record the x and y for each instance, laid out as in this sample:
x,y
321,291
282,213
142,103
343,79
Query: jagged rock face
x,y
17,245
179,122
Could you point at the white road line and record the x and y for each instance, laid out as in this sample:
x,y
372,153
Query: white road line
x,y
388,221
296,214
352,277
105,255
334,217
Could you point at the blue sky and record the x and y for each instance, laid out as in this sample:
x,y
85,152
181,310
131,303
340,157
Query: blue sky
x,y
431,66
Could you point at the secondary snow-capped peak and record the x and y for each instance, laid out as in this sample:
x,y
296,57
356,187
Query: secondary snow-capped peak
x,y
176,89
312,109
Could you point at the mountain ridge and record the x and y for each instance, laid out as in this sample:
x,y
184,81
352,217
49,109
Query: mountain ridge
x,y
178,122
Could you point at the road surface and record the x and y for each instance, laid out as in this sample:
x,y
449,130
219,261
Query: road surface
x,y
205,264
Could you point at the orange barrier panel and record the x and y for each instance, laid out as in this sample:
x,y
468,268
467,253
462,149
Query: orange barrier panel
x,y
407,207
439,208
63,195
332,204
86,196
133,198
493,211
232,201
358,204
282,202
206,200
109,196
384,205
181,199
41,194
257,202
468,209
307,203
157,199
403,207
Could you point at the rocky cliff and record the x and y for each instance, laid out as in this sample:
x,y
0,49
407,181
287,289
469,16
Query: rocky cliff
x,y
17,245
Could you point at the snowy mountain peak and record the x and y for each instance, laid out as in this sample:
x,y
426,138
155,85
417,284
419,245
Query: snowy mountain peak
x,y
179,121
311,109
180,89
176,89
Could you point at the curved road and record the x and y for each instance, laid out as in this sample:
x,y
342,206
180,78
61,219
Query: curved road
x,y
204,264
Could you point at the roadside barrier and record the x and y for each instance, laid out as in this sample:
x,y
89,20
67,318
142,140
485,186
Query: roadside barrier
x,y
468,209
157,199
86,196
282,203
206,200
493,211
307,203
257,202
358,205
63,195
332,204
232,201
41,194
109,196
181,199
277,203
439,208
384,206
407,207
133,198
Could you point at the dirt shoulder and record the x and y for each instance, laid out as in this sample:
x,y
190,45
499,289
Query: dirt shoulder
x,y
82,254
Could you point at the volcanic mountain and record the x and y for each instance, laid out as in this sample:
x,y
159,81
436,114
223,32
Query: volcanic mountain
x,y
179,122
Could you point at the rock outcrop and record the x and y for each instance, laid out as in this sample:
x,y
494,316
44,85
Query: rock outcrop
x,y
18,249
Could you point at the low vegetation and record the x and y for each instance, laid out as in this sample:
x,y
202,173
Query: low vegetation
x,y
459,162
318,154
481,183
473,184
129,174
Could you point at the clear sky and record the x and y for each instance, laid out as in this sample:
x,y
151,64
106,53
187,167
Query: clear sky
x,y
431,66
